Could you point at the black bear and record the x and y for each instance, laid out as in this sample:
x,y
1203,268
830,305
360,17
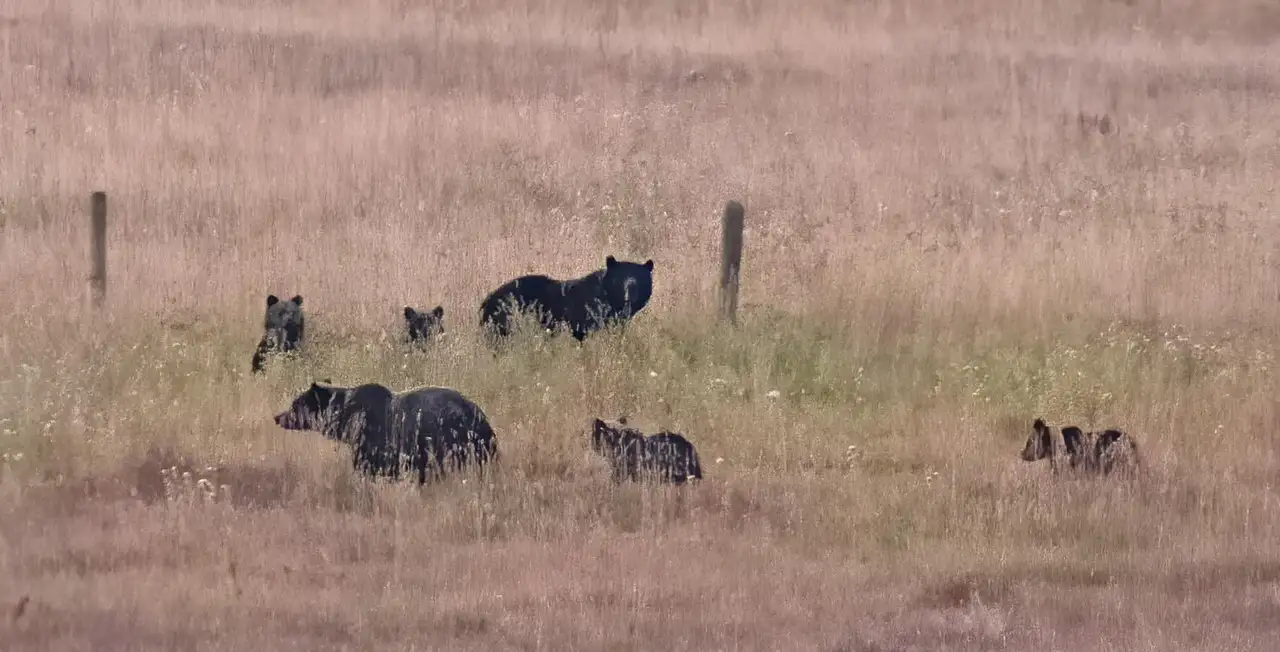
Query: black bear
x,y
1090,452
618,292
429,429
284,325
423,326
667,456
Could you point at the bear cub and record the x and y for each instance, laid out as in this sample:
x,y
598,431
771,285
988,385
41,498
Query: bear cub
x,y
284,326
1091,452
666,457
583,305
431,430
423,326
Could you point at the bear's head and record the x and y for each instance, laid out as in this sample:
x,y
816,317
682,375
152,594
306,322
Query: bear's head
x,y
424,325
609,437
1039,445
284,322
315,409
628,285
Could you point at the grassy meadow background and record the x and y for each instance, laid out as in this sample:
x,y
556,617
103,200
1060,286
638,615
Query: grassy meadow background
x,y
942,244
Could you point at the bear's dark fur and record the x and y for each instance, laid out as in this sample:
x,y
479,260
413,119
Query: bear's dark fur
x,y
284,326
618,292
621,446
429,429
666,457
423,326
1090,452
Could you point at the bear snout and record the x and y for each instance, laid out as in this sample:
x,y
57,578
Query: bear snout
x,y
286,420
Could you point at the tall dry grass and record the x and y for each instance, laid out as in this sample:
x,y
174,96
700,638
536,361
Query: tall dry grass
x,y
941,246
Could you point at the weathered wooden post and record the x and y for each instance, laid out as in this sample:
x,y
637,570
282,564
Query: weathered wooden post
x,y
98,212
731,259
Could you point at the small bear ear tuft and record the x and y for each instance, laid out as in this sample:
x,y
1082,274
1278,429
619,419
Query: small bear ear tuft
x,y
272,300
297,299
438,311
610,261
409,312
648,264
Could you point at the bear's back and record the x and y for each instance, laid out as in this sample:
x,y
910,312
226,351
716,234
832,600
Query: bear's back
x,y
675,454
527,288
369,401
670,445
442,406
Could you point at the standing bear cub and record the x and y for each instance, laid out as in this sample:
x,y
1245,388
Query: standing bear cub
x,y
666,457
583,305
431,430
1090,452
284,325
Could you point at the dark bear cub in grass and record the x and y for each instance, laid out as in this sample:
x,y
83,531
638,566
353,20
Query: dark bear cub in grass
x,y
1090,452
284,327
424,326
431,430
666,457
583,305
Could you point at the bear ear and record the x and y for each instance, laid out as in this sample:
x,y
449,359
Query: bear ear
x,y
438,312
409,313
272,300
297,299
321,393
622,420
610,261
1038,425
648,264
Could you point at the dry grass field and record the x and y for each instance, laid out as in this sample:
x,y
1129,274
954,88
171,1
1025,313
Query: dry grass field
x,y
942,244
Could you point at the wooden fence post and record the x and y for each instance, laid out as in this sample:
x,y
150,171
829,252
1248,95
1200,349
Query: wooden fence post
x,y
98,212
731,259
